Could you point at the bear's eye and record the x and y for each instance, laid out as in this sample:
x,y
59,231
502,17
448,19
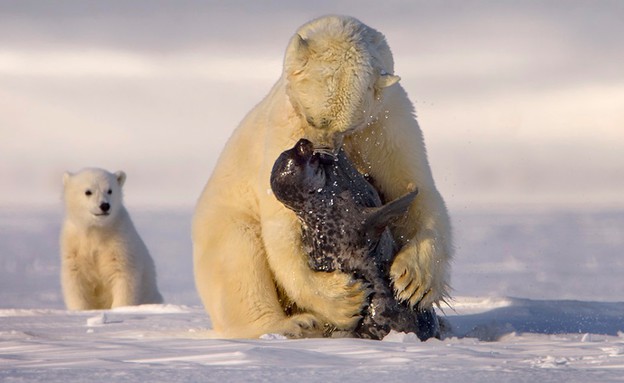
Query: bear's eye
x,y
110,191
88,193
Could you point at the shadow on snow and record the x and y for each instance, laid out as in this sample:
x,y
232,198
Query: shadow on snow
x,y
540,317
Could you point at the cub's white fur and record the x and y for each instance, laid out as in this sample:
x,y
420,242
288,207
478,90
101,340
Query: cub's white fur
x,y
104,261
337,87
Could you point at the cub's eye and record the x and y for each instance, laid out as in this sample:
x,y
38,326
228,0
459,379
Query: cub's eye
x,y
110,191
88,193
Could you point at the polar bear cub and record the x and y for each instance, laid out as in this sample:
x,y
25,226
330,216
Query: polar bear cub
x,y
104,262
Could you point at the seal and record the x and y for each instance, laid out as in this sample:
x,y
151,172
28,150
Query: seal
x,y
345,227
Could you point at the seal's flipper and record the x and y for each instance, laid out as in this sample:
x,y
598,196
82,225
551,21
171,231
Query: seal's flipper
x,y
378,218
428,324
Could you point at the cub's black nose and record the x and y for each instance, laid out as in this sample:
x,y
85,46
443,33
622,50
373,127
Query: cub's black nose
x,y
105,207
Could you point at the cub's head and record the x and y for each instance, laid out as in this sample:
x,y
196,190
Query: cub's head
x,y
93,196
336,70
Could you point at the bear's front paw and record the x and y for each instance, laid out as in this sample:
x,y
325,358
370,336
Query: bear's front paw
x,y
412,279
341,300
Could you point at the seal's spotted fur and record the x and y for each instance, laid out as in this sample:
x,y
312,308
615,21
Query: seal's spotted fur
x,y
345,227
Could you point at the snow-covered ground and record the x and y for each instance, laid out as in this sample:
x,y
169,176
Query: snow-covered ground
x,y
538,296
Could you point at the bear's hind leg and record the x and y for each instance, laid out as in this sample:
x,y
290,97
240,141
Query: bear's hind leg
x,y
236,285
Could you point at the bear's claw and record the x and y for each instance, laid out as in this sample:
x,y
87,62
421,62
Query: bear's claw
x,y
410,284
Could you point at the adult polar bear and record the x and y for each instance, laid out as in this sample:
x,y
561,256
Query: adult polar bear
x,y
336,88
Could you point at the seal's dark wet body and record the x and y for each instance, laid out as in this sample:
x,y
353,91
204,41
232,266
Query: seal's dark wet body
x,y
344,227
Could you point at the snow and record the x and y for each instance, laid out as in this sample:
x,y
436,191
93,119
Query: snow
x,y
538,296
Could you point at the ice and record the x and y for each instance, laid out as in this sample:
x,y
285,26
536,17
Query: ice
x,y
273,337
528,300
401,337
97,320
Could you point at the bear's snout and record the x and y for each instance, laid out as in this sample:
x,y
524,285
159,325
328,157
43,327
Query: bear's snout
x,y
105,207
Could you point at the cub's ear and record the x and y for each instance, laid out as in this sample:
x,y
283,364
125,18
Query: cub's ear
x,y
121,177
298,54
66,177
385,80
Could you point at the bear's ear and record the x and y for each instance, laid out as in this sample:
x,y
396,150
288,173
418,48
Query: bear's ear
x,y
298,54
66,177
121,177
385,80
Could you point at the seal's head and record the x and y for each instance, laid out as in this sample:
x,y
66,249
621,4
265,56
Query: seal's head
x,y
297,173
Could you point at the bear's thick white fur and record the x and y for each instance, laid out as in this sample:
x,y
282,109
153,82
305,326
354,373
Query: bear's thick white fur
x,y
104,262
337,87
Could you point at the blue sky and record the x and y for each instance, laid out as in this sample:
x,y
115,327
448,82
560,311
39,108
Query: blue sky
x,y
520,102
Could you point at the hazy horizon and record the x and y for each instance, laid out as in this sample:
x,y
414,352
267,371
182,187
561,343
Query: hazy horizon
x,y
519,102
